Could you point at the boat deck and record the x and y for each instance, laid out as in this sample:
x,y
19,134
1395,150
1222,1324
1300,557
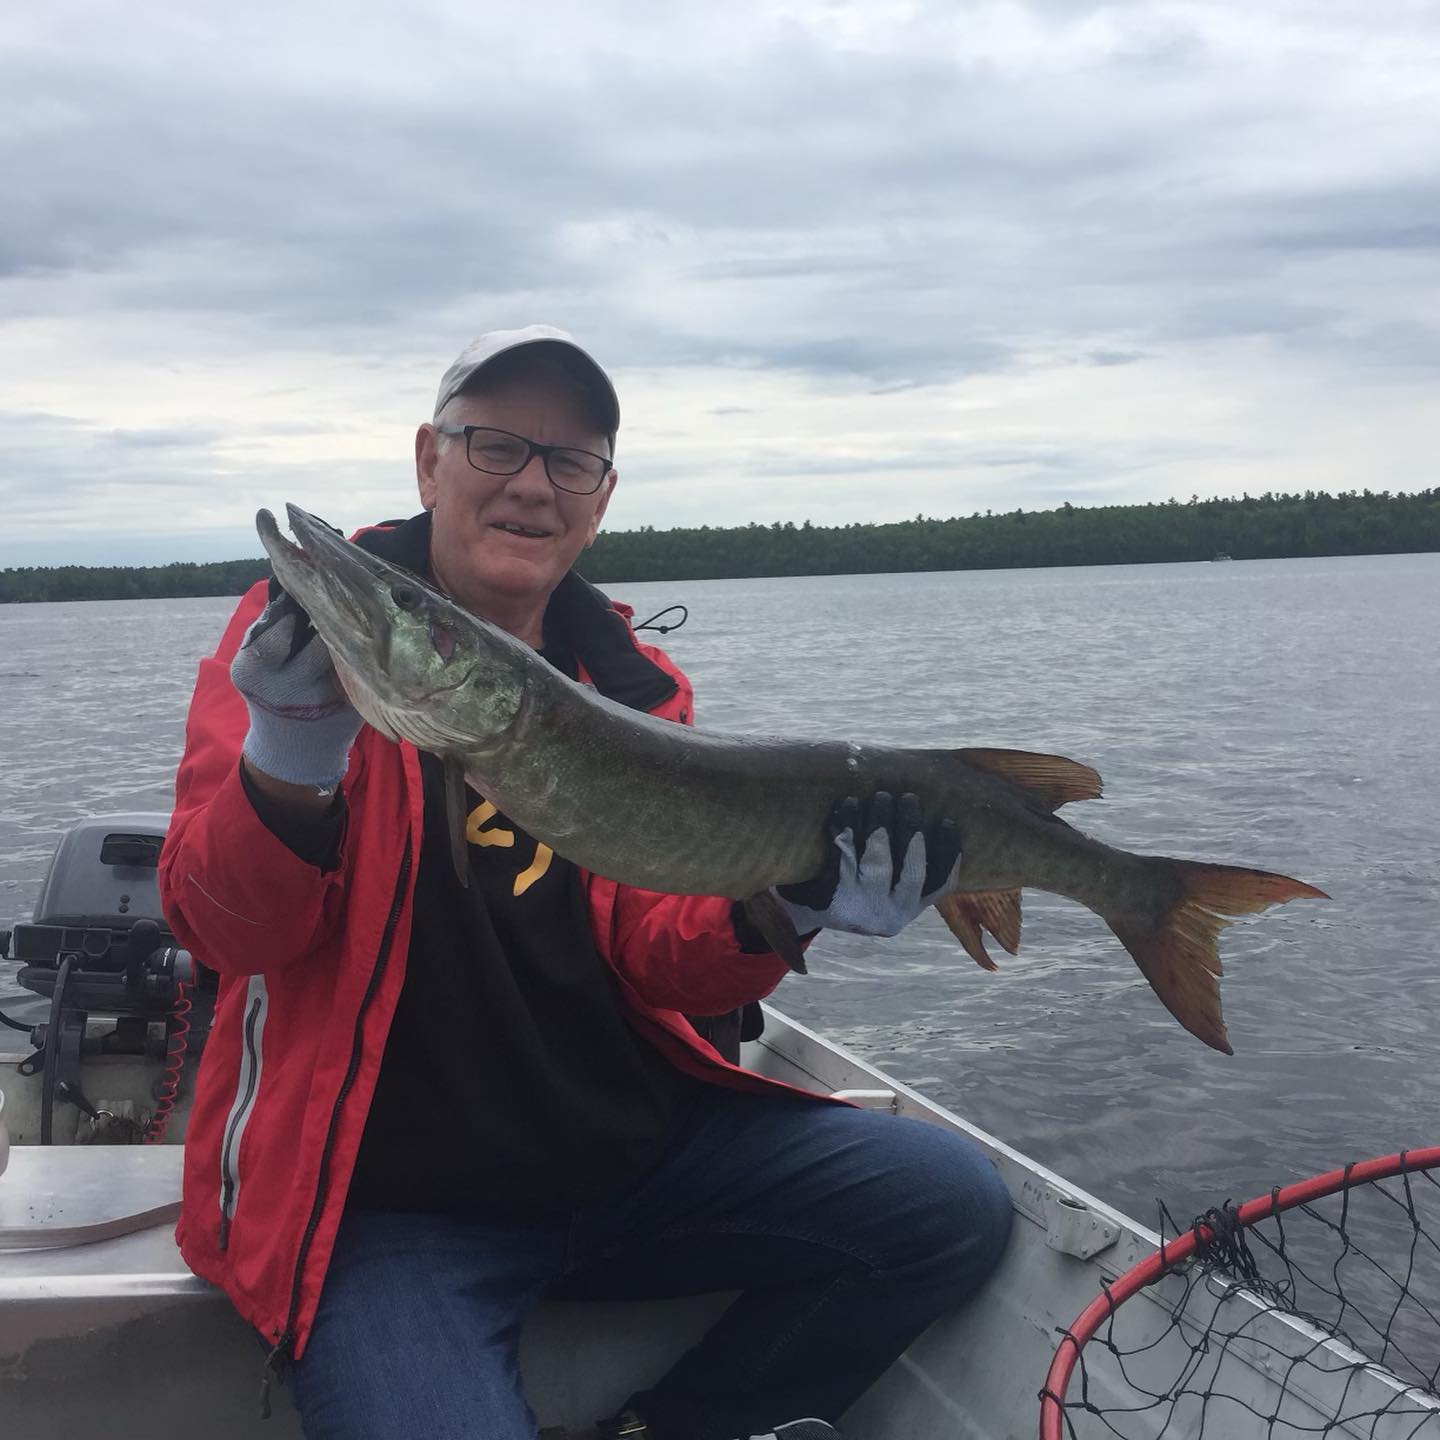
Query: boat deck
x,y
117,1337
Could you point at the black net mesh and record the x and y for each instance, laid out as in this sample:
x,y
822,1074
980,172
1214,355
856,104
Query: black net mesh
x,y
1321,1320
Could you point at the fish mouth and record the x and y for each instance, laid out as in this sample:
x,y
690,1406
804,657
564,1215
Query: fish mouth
x,y
342,587
323,545
323,573
325,559
345,590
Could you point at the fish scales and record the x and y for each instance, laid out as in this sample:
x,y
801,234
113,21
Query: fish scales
x,y
671,808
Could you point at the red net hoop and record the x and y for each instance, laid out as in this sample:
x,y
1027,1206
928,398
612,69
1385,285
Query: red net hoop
x,y
1311,1310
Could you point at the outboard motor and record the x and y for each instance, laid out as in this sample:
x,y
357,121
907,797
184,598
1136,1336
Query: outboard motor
x,y
98,947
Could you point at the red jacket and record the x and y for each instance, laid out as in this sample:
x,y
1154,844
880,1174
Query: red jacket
x,y
311,965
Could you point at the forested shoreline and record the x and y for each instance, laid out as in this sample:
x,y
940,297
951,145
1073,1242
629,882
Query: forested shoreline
x,y
1251,528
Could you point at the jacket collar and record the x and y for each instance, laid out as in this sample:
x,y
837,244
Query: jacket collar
x,y
578,614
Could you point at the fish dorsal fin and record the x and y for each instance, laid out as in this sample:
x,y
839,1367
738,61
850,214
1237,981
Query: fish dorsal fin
x,y
1051,779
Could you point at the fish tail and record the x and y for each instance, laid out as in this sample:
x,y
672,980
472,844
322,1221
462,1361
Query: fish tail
x,y
1179,957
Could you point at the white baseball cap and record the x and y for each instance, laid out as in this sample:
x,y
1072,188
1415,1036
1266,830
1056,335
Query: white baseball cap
x,y
479,353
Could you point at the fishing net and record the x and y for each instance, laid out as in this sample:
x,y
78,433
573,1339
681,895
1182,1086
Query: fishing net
x,y
1313,1310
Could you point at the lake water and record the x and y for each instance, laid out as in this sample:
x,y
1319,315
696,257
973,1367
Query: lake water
x,y
1284,714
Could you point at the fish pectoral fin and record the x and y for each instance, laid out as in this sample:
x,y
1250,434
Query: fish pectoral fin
x,y
768,916
1051,779
455,818
1180,959
964,924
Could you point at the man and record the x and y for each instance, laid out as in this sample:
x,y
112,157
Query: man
x,y
425,1105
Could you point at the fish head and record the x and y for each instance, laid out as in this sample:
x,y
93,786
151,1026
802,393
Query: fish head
x,y
415,664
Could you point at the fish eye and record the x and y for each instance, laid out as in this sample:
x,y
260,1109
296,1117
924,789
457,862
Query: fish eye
x,y
407,597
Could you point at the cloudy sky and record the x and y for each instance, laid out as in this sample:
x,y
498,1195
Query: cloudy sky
x,y
846,261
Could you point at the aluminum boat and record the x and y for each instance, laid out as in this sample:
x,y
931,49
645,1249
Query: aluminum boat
x,y
105,1332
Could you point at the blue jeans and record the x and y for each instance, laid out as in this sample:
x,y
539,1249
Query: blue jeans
x,y
848,1232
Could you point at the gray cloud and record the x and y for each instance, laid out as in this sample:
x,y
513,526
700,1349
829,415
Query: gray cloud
x,y
348,207
866,202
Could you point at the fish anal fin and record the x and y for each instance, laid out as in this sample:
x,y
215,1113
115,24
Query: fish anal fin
x,y
999,912
1180,959
964,925
1051,779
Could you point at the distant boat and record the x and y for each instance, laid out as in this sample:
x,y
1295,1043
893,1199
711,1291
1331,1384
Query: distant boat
x,y
1221,556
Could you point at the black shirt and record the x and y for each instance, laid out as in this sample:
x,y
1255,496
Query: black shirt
x,y
511,1082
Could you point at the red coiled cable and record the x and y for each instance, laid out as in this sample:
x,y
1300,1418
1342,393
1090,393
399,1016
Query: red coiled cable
x,y
169,1086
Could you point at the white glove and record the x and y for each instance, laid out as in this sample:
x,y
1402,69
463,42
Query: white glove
x,y
301,724
881,869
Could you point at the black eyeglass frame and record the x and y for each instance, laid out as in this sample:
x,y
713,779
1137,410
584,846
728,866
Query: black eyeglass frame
x,y
533,448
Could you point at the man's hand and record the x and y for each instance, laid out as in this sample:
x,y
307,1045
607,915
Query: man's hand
x,y
881,869
301,724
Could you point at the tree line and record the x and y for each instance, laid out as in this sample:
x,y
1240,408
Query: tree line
x,y
1262,527
130,582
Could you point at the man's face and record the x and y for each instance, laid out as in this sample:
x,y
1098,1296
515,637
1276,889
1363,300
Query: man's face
x,y
501,543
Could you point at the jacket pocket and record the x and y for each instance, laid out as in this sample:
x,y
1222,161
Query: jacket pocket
x,y
247,1087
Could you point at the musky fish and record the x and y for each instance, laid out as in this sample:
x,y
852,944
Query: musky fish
x,y
668,807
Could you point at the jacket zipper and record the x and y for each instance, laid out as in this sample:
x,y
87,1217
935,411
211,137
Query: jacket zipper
x,y
283,1345
248,1084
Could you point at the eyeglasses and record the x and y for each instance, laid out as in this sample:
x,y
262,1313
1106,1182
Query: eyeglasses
x,y
498,452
